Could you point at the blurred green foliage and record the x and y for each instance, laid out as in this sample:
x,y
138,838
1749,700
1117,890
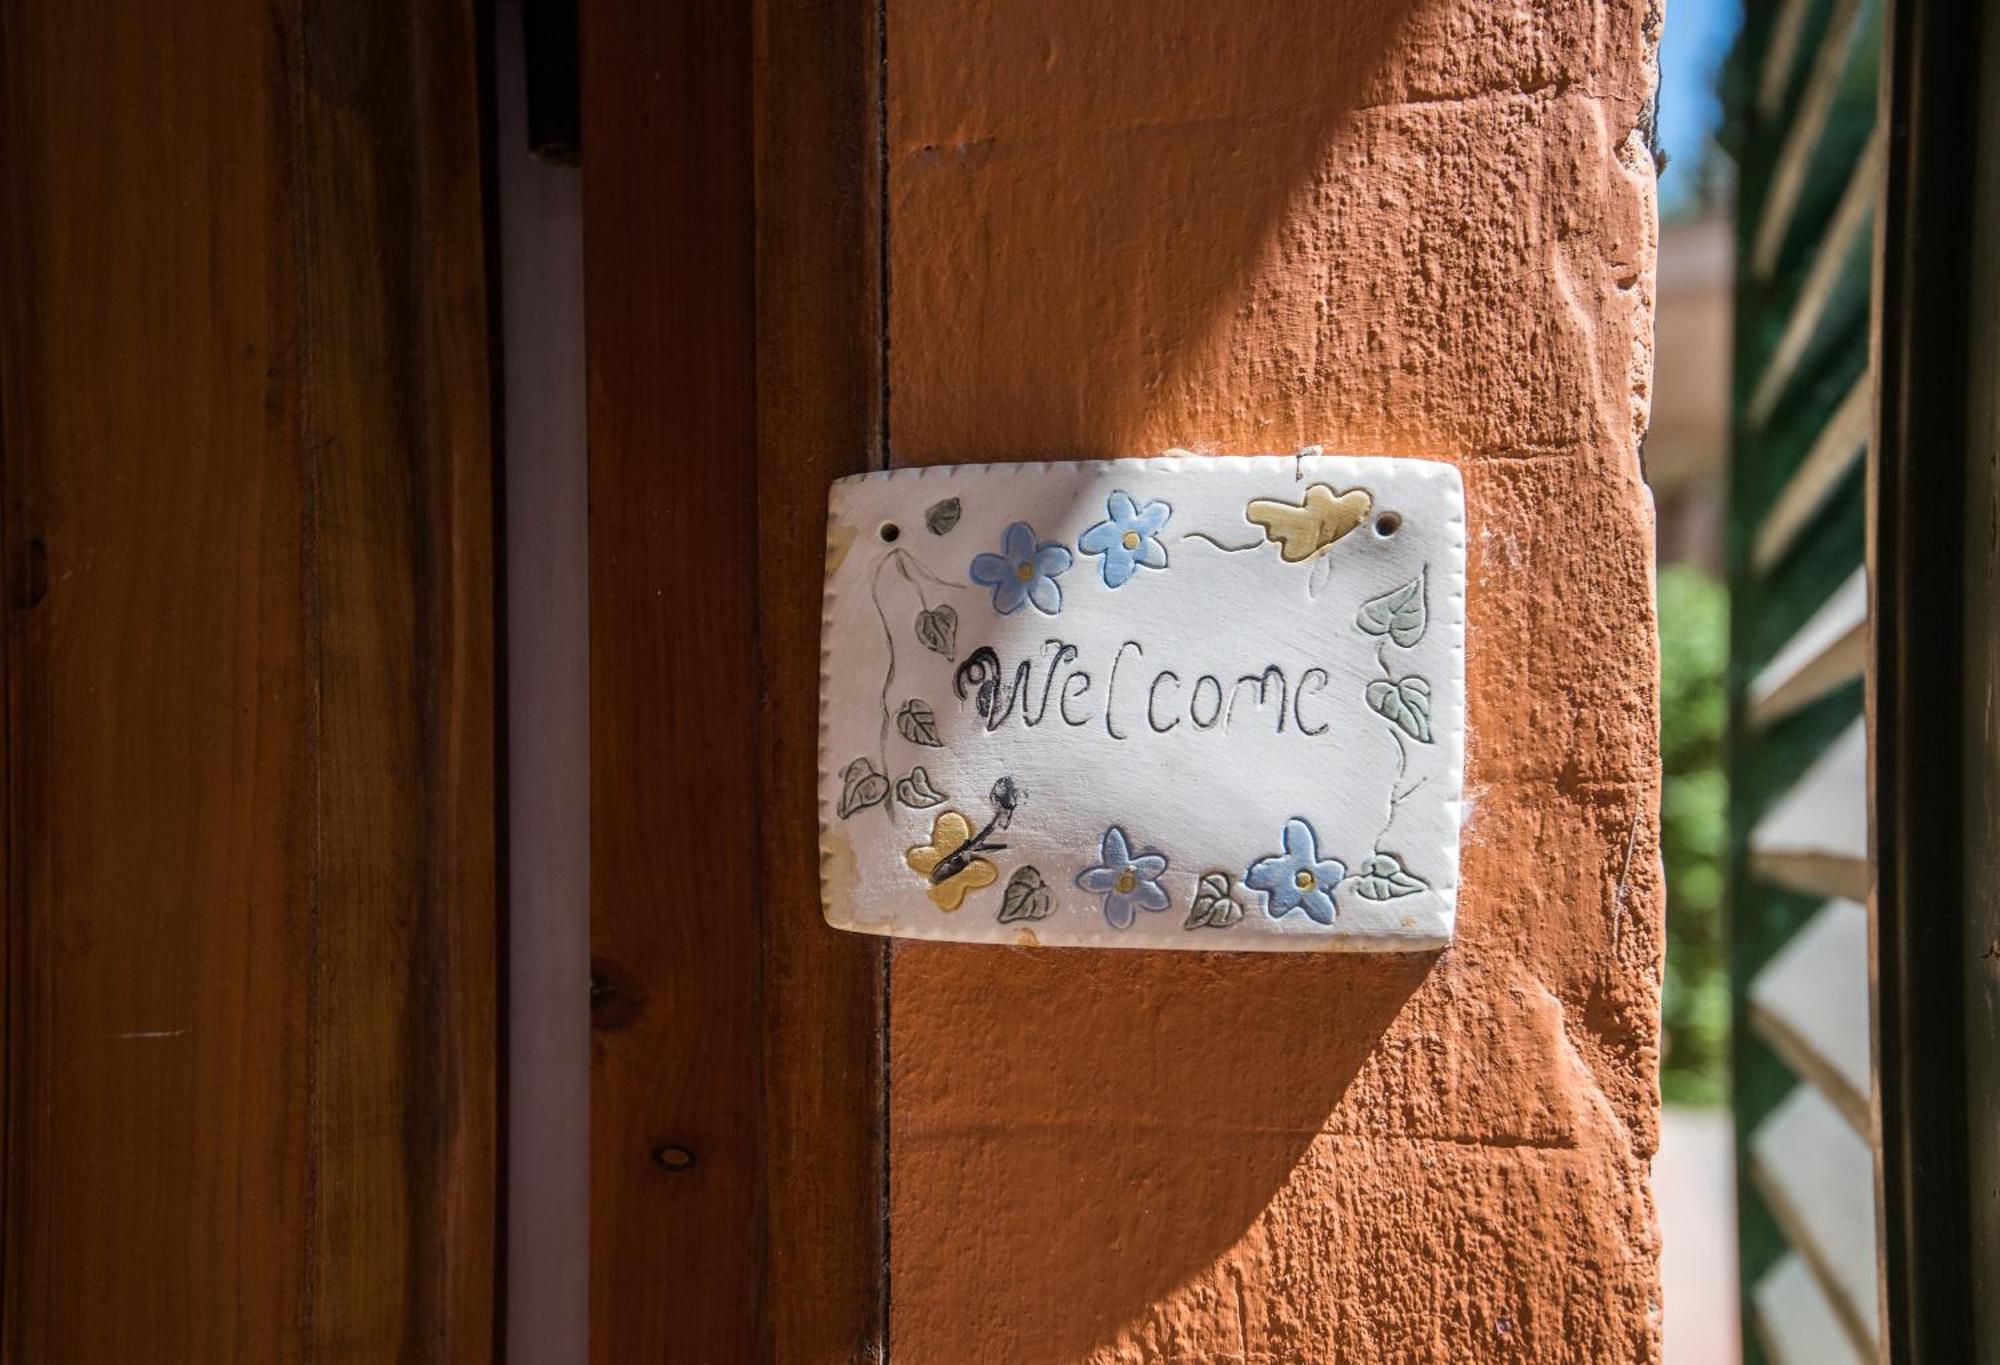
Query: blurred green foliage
x,y
1694,651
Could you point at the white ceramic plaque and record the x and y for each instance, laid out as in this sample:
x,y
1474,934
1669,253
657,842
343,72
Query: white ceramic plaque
x,y
1185,702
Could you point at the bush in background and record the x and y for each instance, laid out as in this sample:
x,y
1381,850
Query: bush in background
x,y
1694,650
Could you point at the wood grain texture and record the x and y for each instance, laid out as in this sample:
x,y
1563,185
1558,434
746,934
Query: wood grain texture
x,y
678,886
250,701
819,400
396,424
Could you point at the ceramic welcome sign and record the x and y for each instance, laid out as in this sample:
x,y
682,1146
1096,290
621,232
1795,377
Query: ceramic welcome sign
x,y
1187,702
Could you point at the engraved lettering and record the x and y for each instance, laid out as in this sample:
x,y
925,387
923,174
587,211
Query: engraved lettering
x,y
1299,700
1194,703
1111,688
1064,653
1151,719
1262,682
1001,694
982,671
1070,692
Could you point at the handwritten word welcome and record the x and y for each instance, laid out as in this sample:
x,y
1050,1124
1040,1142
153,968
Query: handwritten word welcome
x,y
1135,699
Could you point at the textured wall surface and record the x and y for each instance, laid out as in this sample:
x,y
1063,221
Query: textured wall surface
x,y
1117,226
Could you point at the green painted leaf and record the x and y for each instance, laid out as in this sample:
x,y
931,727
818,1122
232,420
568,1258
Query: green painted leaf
x,y
1382,878
1401,614
1025,897
937,630
1406,703
942,516
916,790
1214,907
861,787
918,724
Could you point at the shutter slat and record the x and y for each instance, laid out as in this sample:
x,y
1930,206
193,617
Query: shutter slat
x,y
1818,1177
1815,838
1830,649
1788,177
1841,249
1811,1004
1795,1321
1781,56
1840,443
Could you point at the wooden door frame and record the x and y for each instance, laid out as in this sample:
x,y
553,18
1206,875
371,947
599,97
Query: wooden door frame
x,y
822,412
732,298
1935,789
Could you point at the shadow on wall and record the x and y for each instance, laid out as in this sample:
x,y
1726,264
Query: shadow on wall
x,y
1420,228
1110,1123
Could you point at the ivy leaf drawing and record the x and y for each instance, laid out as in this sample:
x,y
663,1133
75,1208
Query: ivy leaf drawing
x,y
1025,897
916,790
1401,614
1214,907
1382,878
937,630
918,724
1322,570
942,516
861,787
1407,704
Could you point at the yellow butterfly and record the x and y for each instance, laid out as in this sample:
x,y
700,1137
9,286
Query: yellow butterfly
x,y
1302,530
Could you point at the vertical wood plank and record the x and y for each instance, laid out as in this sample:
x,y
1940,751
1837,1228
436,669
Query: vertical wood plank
x,y
158,675
250,895
677,887
397,441
819,397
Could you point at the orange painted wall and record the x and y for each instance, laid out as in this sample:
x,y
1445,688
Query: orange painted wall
x,y
1117,226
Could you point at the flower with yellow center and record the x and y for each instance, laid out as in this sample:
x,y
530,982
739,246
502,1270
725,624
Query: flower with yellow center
x,y
1299,878
950,832
1128,539
1024,573
1127,878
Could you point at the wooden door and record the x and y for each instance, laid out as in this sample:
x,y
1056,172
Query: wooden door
x,y
250,842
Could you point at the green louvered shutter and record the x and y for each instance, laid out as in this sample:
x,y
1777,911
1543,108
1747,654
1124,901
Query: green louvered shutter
x,y
1802,103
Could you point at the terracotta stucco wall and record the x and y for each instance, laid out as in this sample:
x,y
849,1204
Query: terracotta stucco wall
x,y
1117,226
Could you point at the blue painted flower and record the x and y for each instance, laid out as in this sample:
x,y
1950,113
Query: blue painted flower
x,y
1129,540
1024,571
1298,878
1128,881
